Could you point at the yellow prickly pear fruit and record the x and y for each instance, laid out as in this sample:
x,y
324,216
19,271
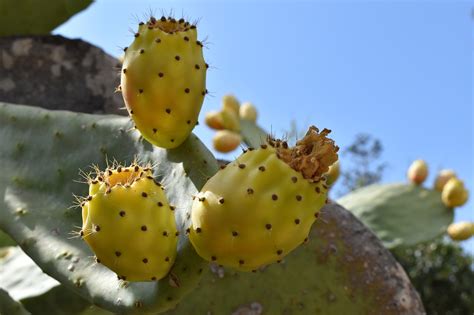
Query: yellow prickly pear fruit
x,y
230,120
417,172
231,104
454,193
461,231
129,224
163,80
248,112
213,120
226,141
261,206
333,174
442,179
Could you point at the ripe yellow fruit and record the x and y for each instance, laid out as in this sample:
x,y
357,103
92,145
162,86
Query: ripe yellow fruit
x,y
214,120
454,193
461,231
442,179
230,103
226,141
248,112
417,172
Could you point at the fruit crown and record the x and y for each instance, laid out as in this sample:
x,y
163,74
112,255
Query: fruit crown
x,y
311,156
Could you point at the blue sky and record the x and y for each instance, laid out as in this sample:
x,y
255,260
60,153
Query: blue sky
x,y
401,71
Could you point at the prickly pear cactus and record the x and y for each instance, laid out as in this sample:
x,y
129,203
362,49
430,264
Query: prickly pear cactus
x,y
41,154
163,80
342,269
399,213
129,223
261,206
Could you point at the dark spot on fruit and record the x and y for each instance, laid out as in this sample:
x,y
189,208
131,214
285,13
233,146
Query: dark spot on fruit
x,y
249,191
294,179
186,38
213,258
172,208
145,260
136,168
278,261
163,19
186,90
140,91
241,166
160,204
97,260
274,197
177,233
125,49
160,74
221,200
137,34
268,226
169,298
188,230
142,51
197,67
119,169
158,40
317,190
155,130
297,221
279,252
153,278
316,215
97,228
168,111
207,66
298,197
118,254
200,271
124,70
165,233
261,168
89,198
144,194
172,140
241,262
177,58
143,228
263,146
82,233
198,230
193,27
141,23
122,213
235,233
167,259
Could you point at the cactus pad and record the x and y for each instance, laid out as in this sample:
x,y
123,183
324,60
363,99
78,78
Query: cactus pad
x,y
400,214
41,154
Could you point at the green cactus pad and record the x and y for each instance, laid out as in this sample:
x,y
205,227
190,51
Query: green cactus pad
x,y
252,135
400,214
343,269
41,155
37,17
6,240
9,306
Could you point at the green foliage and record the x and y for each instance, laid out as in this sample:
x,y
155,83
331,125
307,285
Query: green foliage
x,y
42,153
362,169
443,274
36,17
400,214
6,240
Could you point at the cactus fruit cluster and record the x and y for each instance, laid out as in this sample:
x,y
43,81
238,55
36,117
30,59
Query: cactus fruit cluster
x,y
231,123
129,223
163,80
260,207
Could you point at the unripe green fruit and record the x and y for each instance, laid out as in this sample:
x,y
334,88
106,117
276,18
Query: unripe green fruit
x,y
163,81
226,141
461,231
417,172
261,206
248,112
454,193
129,224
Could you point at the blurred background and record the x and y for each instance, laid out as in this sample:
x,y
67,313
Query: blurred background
x,y
400,73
